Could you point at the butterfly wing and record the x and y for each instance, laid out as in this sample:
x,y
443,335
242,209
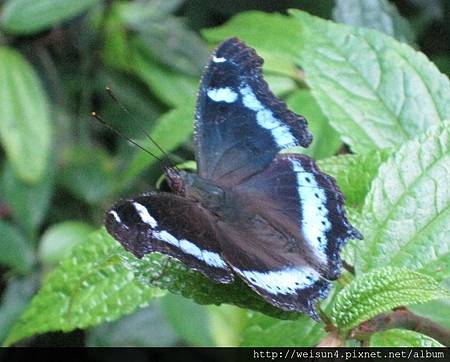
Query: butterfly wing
x,y
172,225
292,226
240,125
306,204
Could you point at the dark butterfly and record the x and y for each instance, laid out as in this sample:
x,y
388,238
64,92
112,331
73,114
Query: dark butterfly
x,y
275,220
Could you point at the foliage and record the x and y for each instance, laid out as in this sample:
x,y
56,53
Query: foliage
x,y
377,107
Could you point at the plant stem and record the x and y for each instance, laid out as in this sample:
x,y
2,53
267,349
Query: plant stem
x,y
404,319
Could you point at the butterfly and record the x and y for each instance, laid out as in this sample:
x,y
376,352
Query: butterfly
x,y
272,219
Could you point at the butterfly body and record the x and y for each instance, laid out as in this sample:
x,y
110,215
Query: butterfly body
x,y
272,219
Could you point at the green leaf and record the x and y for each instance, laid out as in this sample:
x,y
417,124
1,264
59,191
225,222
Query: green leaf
x,y
92,286
171,87
354,173
172,130
59,239
188,319
382,290
29,203
171,43
15,252
147,327
402,338
376,92
406,215
25,128
326,141
14,300
31,16
88,173
277,46
264,331
380,15
226,323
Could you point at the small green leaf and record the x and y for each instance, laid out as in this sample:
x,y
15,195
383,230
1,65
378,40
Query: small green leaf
x,y
381,290
265,331
402,338
171,43
380,15
188,319
171,130
15,252
277,46
406,215
14,300
171,87
92,286
147,327
59,239
226,323
25,127
31,16
326,140
376,92
88,173
29,203
354,173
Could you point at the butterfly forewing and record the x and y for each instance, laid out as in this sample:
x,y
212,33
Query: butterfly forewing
x,y
240,125
172,225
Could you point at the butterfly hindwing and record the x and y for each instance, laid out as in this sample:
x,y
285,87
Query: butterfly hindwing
x,y
306,204
261,255
240,125
172,225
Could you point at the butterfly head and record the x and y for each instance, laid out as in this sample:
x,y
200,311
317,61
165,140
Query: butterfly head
x,y
176,179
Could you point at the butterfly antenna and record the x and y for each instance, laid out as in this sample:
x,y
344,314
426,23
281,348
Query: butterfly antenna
x,y
103,122
124,109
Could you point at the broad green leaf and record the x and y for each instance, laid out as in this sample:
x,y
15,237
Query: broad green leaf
x,y
31,16
402,338
382,290
326,141
100,282
15,252
380,15
171,130
59,239
147,327
29,203
14,299
171,43
93,285
171,87
274,36
25,128
188,319
226,323
407,211
375,91
88,173
167,38
354,173
265,331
